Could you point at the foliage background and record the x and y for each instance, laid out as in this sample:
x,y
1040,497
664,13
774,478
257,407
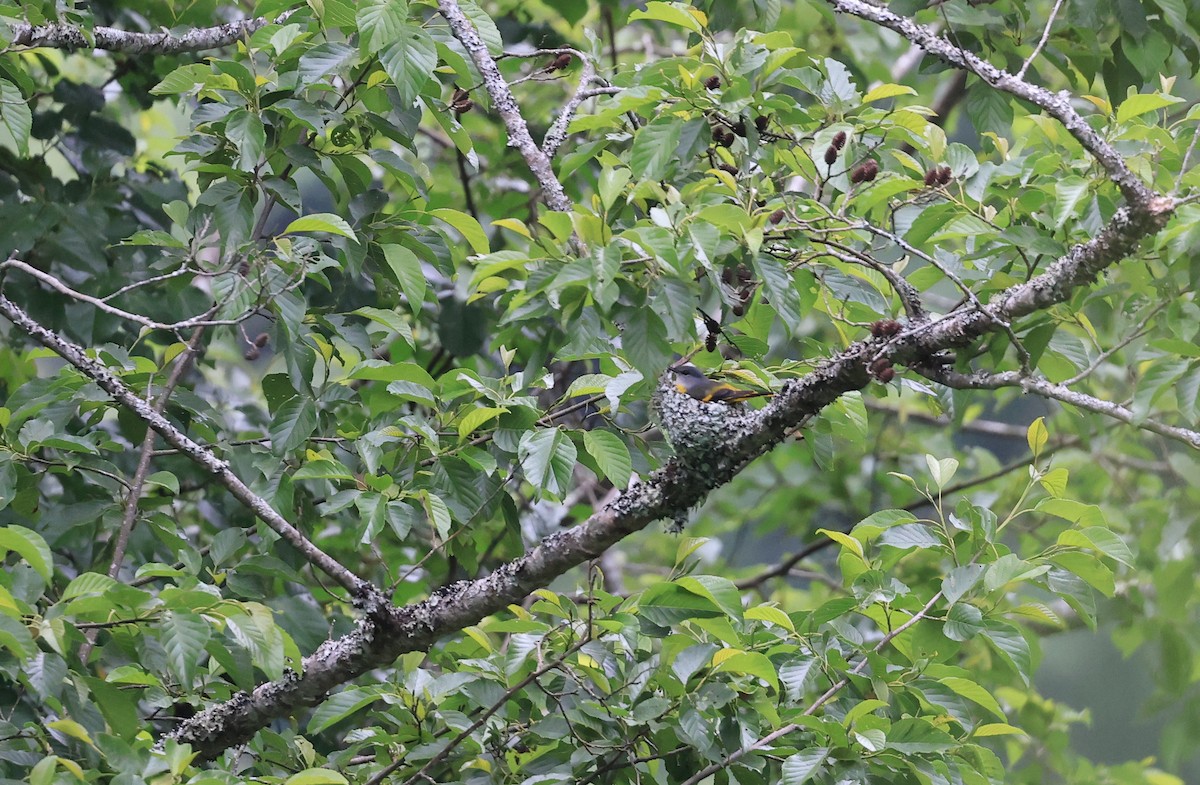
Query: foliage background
x,y
428,343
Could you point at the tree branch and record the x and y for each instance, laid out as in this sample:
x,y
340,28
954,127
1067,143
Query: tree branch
x,y
1057,105
72,37
109,382
506,106
1059,392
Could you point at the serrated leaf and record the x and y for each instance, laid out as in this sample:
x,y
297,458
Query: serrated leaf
x,y
547,457
184,636
654,147
293,424
409,62
380,22
611,455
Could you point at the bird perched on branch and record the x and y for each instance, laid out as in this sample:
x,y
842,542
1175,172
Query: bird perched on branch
x,y
689,380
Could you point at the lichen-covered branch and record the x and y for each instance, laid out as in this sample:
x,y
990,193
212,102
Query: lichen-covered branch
x,y
1063,393
1057,105
386,633
201,455
506,106
72,37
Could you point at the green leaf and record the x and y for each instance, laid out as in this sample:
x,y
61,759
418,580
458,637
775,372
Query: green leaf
x,y
316,777
887,91
30,546
484,25
293,424
248,135
781,291
467,226
1010,643
321,222
678,14
963,622
974,693
654,148
476,417
961,580
409,62
611,454
406,268
1037,435
16,119
667,604
184,636
910,535
799,768
380,22
547,457
750,663
1140,104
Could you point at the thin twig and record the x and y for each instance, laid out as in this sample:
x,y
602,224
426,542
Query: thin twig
x,y
110,383
838,686
1045,37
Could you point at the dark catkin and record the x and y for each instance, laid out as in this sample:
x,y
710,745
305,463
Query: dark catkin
x,y
739,127
776,216
831,154
712,82
252,353
560,62
723,137
761,122
262,339
931,177
864,172
839,140
881,369
944,175
733,170
884,327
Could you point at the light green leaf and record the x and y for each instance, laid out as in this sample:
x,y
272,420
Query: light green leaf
x,y
1137,105
321,222
30,546
678,14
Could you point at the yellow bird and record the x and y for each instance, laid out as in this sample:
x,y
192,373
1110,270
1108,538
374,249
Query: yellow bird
x,y
689,380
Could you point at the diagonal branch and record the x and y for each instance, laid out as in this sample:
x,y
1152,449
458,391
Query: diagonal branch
x,y
1057,105
1060,392
506,105
203,456
386,633
71,37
